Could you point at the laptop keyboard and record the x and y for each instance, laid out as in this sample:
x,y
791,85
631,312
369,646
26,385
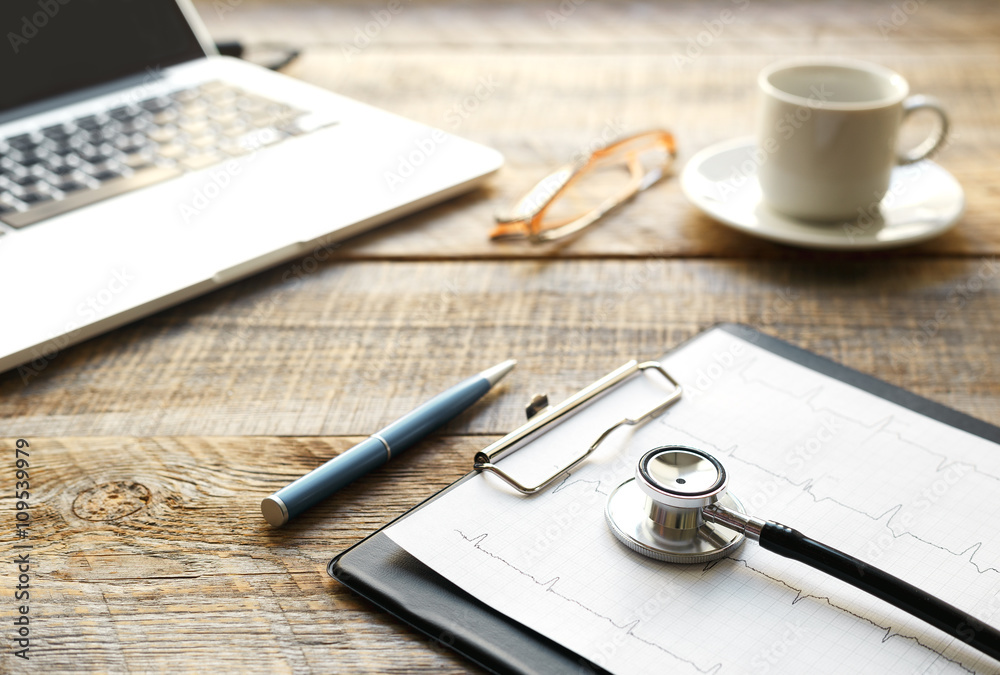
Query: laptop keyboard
x,y
66,166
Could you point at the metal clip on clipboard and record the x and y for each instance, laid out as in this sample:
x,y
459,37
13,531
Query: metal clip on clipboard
x,y
552,416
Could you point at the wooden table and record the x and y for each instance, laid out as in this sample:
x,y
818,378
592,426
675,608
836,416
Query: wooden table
x,y
152,446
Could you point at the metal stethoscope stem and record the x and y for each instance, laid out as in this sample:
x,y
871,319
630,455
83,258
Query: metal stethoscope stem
x,y
676,509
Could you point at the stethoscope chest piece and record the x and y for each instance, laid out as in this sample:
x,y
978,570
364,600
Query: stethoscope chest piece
x,y
658,513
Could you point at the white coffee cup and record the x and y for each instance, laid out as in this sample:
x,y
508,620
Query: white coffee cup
x,y
826,136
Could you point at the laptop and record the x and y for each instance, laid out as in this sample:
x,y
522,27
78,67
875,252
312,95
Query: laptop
x,y
139,168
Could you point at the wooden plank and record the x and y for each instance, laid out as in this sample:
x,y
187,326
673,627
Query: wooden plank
x,y
460,24
191,575
351,346
544,109
612,68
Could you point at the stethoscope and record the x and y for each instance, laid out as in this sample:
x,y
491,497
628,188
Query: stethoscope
x,y
676,509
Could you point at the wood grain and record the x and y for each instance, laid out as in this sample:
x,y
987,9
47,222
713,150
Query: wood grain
x,y
195,580
156,442
352,346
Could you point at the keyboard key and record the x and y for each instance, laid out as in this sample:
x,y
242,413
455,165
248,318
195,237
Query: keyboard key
x,y
95,157
91,122
185,95
196,109
156,104
26,180
167,116
206,140
222,99
171,150
84,197
138,160
193,126
30,198
124,113
236,129
250,103
58,132
71,185
98,136
131,143
61,169
63,149
163,134
28,159
223,116
24,142
104,175
136,125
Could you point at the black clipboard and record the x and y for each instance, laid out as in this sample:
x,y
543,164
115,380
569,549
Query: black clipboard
x,y
389,577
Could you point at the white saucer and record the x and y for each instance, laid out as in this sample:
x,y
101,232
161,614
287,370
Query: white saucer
x,y
923,202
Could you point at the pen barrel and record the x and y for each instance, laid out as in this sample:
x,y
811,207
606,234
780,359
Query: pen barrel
x,y
323,481
377,449
444,407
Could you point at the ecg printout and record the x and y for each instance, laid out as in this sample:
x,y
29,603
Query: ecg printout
x,y
909,494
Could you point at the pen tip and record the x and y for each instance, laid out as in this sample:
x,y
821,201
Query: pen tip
x,y
496,373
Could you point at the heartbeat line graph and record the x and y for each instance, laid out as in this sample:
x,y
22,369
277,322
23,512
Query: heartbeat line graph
x,y
486,540
807,484
549,586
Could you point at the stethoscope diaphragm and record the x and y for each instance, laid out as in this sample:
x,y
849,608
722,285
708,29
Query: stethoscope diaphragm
x,y
659,513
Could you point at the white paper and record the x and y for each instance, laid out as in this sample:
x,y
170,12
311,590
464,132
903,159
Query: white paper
x,y
911,495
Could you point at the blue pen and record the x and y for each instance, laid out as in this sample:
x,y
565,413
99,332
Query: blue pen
x,y
379,448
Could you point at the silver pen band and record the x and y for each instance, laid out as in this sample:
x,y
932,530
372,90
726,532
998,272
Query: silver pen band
x,y
388,450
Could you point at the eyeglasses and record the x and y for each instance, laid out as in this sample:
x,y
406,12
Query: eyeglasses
x,y
578,194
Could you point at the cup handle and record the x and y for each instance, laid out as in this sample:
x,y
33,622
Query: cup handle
x,y
932,143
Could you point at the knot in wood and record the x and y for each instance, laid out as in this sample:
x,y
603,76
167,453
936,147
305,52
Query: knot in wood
x,y
111,501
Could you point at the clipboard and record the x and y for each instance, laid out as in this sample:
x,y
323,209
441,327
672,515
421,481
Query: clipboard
x,y
396,582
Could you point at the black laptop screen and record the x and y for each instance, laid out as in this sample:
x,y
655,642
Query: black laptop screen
x,y
52,47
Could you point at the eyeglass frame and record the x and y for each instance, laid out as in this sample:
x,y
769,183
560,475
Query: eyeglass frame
x,y
521,224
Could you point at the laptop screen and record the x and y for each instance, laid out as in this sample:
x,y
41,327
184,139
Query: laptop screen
x,y
51,47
